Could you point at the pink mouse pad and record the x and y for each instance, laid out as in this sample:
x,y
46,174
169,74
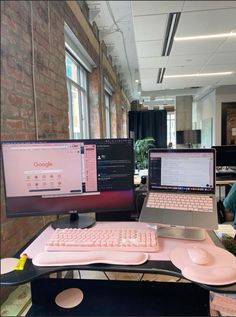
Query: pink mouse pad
x,y
220,269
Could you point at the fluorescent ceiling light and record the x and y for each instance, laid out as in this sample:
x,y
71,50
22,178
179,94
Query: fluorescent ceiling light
x,y
203,37
199,75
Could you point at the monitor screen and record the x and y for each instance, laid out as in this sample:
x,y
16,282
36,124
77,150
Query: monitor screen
x,y
225,155
188,137
56,177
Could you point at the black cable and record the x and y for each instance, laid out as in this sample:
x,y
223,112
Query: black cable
x,y
106,275
141,277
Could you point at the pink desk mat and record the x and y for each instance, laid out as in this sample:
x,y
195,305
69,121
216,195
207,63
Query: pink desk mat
x,y
166,244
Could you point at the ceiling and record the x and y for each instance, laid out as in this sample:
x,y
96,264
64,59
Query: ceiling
x,y
135,33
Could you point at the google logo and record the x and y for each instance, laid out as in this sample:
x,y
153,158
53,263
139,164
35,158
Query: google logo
x,y
42,164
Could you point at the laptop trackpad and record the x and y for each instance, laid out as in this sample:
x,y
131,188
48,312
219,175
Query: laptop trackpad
x,y
177,217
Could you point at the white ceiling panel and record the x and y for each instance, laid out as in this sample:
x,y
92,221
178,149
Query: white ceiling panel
x,y
182,70
149,48
229,45
137,29
219,68
153,62
206,22
228,80
148,73
223,58
178,83
208,5
195,47
149,28
203,82
155,7
215,80
188,60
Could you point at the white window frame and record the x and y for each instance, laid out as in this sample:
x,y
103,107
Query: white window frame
x,y
82,101
171,128
107,106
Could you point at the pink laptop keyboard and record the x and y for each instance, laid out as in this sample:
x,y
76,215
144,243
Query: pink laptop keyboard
x,y
117,239
180,202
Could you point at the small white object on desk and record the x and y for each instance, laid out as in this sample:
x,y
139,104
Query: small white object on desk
x,y
8,265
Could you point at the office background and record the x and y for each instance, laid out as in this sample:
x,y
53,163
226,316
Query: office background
x,y
52,57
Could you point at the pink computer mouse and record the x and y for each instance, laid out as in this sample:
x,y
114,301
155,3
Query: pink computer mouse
x,y
198,255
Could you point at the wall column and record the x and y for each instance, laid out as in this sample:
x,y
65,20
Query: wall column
x,y
184,112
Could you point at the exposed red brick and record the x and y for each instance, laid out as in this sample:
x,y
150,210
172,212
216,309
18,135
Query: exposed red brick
x,y
15,100
14,124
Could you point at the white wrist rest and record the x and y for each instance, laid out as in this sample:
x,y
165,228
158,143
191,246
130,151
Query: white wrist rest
x,y
89,257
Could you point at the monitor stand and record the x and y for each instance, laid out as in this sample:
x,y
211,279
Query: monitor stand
x,y
181,233
75,220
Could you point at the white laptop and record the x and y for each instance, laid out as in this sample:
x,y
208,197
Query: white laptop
x,y
181,190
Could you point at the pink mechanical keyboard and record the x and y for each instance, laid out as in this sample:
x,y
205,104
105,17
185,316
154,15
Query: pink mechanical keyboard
x,y
117,239
180,202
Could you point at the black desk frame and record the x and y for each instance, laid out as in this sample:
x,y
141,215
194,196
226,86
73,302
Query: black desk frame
x,y
134,290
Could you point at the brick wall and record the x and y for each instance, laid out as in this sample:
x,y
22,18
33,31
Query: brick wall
x,y
32,55
33,87
29,113
95,128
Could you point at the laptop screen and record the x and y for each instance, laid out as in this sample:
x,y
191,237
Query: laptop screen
x,y
182,170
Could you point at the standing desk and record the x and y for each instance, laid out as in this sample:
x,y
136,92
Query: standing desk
x,y
116,298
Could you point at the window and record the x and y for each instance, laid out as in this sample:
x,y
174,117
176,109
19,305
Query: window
x,y
78,98
107,106
124,121
107,114
171,128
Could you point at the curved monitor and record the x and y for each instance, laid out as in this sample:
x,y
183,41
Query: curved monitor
x,y
56,177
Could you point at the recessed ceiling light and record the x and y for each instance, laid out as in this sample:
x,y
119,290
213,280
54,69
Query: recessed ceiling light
x,y
203,37
199,75
136,80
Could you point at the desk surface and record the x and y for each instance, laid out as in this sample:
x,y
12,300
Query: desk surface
x,y
164,267
224,182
